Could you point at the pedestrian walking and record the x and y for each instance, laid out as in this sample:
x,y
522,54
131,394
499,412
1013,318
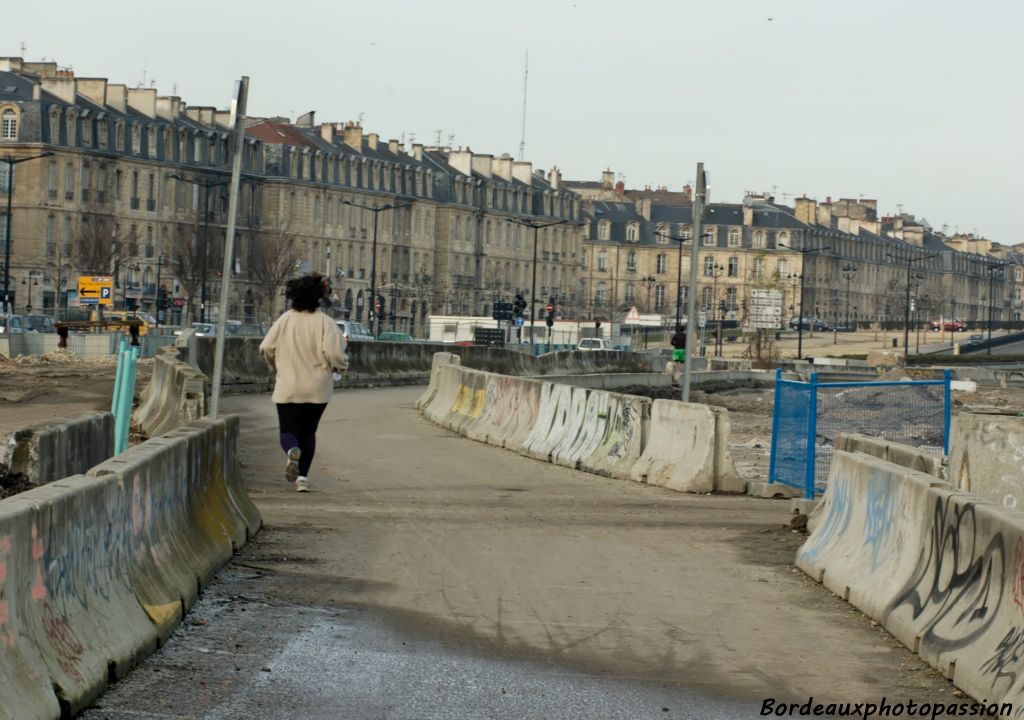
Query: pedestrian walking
x,y
305,348
679,343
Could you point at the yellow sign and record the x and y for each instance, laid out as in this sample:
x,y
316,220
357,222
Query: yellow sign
x,y
95,290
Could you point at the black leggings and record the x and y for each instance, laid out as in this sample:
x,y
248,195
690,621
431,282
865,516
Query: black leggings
x,y
298,423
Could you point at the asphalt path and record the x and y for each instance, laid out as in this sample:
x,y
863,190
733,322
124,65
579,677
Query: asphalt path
x,y
430,576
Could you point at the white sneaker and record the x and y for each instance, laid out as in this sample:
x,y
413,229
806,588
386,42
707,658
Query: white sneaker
x,y
291,469
302,485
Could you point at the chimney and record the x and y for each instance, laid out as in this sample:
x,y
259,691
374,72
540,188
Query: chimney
x,y
327,132
607,178
63,87
307,120
223,118
93,88
825,213
353,136
806,210
503,167
40,69
541,174
143,100
913,234
522,171
483,164
688,192
461,160
555,178
371,140
393,147
417,151
117,97
167,107
643,206
207,115
620,188
748,215
11,64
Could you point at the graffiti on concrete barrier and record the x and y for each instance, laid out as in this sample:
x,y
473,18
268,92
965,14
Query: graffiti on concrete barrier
x,y
837,498
1018,574
622,428
1005,662
878,520
65,642
7,637
958,584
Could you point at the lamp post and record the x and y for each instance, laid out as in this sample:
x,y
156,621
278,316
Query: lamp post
x,y
917,280
716,272
679,271
906,308
206,185
648,281
952,318
11,161
849,271
373,313
535,224
804,252
992,267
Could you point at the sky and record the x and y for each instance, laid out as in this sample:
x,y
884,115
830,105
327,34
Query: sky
x,y
915,103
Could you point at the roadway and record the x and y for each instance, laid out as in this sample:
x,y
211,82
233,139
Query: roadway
x,y
429,576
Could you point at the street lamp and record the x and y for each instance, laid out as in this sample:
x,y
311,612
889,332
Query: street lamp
x,y
716,272
679,275
206,185
917,280
529,222
849,271
11,161
804,252
648,281
992,267
373,314
906,309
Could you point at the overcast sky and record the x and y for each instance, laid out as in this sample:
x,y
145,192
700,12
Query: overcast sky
x,y
913,102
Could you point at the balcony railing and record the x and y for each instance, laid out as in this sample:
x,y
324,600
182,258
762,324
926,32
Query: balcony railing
x,y
69,194
101,196
151,204
134,203
85,195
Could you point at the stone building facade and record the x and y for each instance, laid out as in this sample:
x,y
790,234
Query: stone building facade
x,y
136,186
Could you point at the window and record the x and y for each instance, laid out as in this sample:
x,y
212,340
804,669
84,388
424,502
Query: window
x,y
66,246
734,266
782,237
119,137
759,239
599,296
757,272
101,184
630,293
661,234
709,266
51,247
631,233
51,179
5,177
150,249
87,133
85,181
104,133
602,231
151,193
730,299
661,263
602,261
9,125
659,297
706,298
631,261
783,267
151,143
734,238
69,181
710,237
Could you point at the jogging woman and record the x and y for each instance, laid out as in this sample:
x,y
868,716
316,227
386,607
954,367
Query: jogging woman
x,y
304,348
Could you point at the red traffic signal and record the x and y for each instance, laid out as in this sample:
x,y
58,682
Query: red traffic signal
x,y
549,307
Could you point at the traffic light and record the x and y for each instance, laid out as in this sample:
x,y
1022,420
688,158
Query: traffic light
x,y
551,313
519,306
162,301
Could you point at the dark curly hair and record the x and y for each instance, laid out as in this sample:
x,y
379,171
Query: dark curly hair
x,y
309,292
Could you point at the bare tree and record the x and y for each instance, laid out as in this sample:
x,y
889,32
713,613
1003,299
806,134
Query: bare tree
x,y
187,259
271,261
101,245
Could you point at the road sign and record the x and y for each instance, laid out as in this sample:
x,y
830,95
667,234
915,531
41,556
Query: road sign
x,y
93,290
549,307
519,322
702,320
766,308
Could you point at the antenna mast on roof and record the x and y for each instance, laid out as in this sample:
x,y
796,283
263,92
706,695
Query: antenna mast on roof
x,y
24,47
522,137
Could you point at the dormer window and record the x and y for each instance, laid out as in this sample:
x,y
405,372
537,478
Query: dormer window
x,y
631,233
734,237
72,129
119,137
603,230
55,126
9,125
685,232
151,143
710,236
759,239
136,140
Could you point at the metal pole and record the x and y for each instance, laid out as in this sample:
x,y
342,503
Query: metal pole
x,y
159,262
533,288
691,304
374,322
238,111
7,235
679,284
991,279
800,320
906,315
206,250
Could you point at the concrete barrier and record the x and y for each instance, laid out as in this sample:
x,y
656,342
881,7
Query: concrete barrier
x,y
96,569
623,432
611,381
53,450
905,455
987,457
407,363
176,395
439,360
687,451
939,569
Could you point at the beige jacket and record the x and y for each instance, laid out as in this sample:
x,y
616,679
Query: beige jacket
x,y
304,348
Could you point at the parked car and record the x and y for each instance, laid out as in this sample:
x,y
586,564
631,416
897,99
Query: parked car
x,y
395,337
11,324
40,323
115,315
595,344
949,325
355,330
976,337
808,324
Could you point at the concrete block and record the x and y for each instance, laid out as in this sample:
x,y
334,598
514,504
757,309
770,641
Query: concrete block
x,y
625,427
987,457
176,395
905,455
764,489
53,450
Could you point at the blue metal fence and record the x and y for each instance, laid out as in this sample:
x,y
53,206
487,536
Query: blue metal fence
x,y
808,416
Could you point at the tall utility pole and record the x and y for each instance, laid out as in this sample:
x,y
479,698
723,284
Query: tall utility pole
x,y
691,305
906,308
522,136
